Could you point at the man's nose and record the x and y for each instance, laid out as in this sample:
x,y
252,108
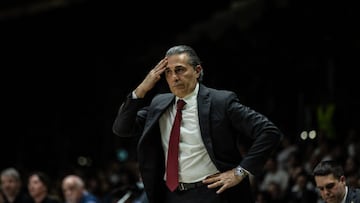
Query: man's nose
x,y
326,191
173,75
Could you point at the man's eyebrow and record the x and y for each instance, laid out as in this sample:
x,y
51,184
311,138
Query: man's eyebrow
x,y
327,186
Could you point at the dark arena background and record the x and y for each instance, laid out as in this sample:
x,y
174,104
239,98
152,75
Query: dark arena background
x,y
68,64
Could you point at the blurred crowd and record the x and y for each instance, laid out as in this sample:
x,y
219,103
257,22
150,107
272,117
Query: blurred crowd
x,y
287,176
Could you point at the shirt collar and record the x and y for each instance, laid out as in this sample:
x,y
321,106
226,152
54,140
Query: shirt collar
x,y
346,192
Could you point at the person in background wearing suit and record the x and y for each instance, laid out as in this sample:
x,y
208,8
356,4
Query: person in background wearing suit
x,y
331,182
214,128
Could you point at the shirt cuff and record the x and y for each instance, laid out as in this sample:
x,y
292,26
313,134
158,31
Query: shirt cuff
x,y
133,95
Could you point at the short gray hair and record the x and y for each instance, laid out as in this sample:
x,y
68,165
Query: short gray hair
x,y
11,172
194,60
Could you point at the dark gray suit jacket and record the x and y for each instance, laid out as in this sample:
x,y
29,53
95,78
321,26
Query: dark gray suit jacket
x,y
353,195
225,124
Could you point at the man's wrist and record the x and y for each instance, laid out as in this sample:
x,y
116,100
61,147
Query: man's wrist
x,y
240,172
140,92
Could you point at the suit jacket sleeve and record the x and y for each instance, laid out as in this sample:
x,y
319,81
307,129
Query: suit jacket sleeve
x,y
130,118
265,135
246,127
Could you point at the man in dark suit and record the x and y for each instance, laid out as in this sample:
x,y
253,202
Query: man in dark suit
x,y
221,143
331,182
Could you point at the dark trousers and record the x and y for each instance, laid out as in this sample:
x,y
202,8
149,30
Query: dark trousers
x,y
196,195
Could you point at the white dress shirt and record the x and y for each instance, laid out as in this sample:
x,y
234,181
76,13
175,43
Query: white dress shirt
x,y
194,161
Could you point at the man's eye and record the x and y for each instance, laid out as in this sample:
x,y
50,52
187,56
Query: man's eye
x,y
180,70
327,186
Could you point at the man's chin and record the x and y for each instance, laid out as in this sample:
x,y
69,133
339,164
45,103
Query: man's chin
x,y
180,92
179,95
330,200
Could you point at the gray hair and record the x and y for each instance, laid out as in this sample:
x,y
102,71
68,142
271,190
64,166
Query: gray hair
x,y
75,180
11,172
194,60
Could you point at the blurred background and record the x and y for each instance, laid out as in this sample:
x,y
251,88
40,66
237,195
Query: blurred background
x,y
68,64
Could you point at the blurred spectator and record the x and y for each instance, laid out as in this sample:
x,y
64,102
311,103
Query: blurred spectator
x,y
353,144
39,187
11,187
275,194
274,175
351,171
262,197
288,149
351,166
303,191
74,191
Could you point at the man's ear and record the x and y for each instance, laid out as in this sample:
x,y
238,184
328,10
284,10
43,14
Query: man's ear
x,y
198,69
342,179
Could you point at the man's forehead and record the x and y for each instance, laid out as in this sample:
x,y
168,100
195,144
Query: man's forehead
x,y
177,58
326,178
8,177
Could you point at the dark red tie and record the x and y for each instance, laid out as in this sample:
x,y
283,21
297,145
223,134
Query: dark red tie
x,y
172,167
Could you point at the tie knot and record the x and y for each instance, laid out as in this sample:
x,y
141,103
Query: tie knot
x,y
180,104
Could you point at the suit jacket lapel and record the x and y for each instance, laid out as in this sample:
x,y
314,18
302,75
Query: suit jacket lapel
x,y
353,195
156,109
204,102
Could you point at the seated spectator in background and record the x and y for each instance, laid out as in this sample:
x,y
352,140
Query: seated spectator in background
x,y
11,187
330,180
303,191
286,156
352,172
74,191
274,175
39,188
275,194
